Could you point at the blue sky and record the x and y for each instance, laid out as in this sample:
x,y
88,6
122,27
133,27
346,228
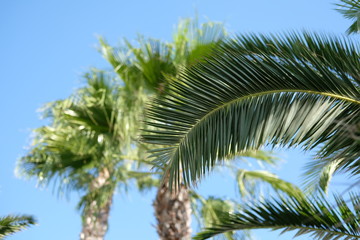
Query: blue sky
x,y
47,45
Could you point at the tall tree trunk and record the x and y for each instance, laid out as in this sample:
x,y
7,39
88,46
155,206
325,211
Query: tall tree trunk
x,y
173,213
95,219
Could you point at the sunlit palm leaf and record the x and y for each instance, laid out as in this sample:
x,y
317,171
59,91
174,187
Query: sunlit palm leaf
x,y
259,90
209,210
13,223
313,216
89,131
247,177
146,63
319,174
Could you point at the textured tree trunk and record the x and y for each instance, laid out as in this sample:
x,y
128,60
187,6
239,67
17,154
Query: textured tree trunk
x,y
173,213
95,220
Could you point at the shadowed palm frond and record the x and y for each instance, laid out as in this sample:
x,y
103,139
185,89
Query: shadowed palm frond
x,y
13,223
313,216
257,90
350,9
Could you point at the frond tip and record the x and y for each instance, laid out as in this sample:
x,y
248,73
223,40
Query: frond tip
x,y
14,223
306,216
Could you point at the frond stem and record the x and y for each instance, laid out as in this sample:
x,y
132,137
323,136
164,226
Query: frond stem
x,y
332,95
299,227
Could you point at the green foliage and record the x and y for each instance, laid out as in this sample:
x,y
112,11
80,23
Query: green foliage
x,y
208,212
314,216
295,90
150,64
13,223
89,134
250,183
246,179
350,9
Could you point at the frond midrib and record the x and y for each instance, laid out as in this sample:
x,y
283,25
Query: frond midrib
x,y
296,227
326,94
257,94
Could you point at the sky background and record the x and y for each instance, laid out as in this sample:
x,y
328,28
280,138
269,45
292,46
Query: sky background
x,y
47,45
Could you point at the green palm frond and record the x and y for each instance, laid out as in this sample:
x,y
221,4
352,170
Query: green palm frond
x,y
350,9
13,223
247,179
147,63
193,41
313,216
94,128
208,212
318,175
258,90
141,66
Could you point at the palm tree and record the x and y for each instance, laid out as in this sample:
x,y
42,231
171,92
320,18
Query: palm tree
x,y
150,67
86,146
14,223
255,90
144,68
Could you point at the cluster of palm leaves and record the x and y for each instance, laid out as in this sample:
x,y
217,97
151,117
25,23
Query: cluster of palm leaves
x,y
89,144
151,66
295,90
87,147
216,98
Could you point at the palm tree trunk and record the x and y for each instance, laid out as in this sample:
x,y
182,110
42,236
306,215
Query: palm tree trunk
x,y
95,219
173,213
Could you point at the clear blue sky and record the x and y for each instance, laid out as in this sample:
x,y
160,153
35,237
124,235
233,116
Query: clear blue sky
x,y
47,45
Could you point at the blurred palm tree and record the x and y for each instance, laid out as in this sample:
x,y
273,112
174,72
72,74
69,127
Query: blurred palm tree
x,y
147,69
87,147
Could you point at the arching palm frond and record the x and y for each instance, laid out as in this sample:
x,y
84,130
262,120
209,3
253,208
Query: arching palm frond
x,y
258,90
246,178
13,223
318,175
313,216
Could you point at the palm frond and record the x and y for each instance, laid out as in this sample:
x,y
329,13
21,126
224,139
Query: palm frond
x,y
247,178
147,63
350,9
258,90
87,131
208,212
13,223
318,175
313,216
194,41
